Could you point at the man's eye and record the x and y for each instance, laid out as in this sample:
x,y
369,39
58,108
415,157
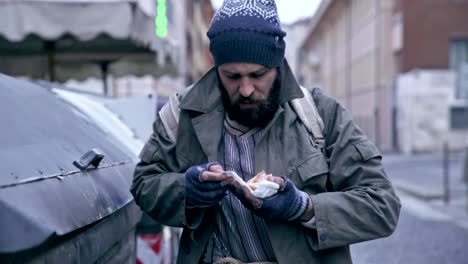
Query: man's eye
x,y
257,75
234,77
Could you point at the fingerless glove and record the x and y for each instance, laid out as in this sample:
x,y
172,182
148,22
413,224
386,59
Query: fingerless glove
x,y
289,204
199,193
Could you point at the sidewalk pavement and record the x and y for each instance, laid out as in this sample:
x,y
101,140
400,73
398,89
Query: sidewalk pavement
x,y
421,176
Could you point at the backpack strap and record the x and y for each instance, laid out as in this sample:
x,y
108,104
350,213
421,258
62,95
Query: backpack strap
x,y
169,114
307,112
304,107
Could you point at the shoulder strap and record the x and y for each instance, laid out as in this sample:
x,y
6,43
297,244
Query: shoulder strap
x,y
307,112
169,114
304,107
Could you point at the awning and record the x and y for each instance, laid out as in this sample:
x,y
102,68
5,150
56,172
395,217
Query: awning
x,y
65,37
83,19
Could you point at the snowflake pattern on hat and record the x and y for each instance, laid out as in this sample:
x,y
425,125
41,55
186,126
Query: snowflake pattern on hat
x,y
265,9
247,31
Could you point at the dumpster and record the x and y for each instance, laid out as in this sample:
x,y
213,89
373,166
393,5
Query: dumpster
x,y
130,121
64,182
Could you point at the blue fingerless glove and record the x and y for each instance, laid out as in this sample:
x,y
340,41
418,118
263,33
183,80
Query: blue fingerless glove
x,y
202,194
288,204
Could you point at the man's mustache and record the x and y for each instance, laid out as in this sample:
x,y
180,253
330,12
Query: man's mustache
x,y
249,100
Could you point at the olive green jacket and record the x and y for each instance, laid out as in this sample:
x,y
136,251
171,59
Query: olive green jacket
x,y
353,199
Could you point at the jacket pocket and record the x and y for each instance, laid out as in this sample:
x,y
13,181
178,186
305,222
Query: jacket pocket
x,y
367,150
313,166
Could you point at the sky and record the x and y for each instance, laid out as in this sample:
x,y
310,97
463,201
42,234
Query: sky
x,y
289,10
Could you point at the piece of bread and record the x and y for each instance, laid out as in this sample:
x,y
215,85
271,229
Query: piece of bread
x,y
261,176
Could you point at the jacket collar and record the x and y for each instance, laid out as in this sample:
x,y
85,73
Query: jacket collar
x,y
290,89
205,95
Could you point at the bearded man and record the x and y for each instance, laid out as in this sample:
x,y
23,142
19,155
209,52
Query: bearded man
x,y
239,117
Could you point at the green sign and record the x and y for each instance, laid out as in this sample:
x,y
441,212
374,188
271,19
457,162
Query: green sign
x,y
160,21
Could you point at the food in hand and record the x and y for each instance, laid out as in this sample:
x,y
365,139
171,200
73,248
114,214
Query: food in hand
x,y
261,187
261,176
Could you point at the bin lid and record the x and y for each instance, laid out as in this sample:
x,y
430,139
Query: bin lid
x,y
42,194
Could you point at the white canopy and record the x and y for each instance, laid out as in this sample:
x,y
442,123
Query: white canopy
x,y
84,20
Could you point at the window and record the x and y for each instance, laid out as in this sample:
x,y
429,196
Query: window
x,y
458,52
459,63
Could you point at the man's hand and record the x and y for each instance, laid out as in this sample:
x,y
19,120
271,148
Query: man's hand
x,y
245,195
288,204
205,185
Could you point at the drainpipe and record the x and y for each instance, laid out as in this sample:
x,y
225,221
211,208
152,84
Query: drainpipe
x,y
377,114
349,91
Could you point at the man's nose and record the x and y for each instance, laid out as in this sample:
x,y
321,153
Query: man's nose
x,y
246,87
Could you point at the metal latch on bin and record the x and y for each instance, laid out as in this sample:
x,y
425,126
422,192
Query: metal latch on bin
x,y
92,157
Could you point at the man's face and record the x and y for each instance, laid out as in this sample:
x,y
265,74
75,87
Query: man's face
x,y
250,92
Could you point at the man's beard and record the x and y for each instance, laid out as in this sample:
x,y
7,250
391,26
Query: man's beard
x,y
258,116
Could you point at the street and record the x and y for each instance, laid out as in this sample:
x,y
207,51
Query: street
x,y
429,231
416,240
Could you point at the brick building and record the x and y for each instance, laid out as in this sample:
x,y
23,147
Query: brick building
x,y
434,34
199,60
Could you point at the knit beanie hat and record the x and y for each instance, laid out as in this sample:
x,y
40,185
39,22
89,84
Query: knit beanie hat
x,y
247,31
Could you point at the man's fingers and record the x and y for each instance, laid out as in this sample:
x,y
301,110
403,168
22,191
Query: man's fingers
x,y
216,168
277,180
254,201
210,176
227,181
237,184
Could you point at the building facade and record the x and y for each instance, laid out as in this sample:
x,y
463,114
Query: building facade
x,y
199,59
389,61
348,53
295,34
430,45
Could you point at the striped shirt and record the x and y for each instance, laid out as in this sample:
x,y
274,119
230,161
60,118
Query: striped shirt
x,y
238,233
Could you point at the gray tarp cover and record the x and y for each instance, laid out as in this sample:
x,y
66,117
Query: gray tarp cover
x,y
41,193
